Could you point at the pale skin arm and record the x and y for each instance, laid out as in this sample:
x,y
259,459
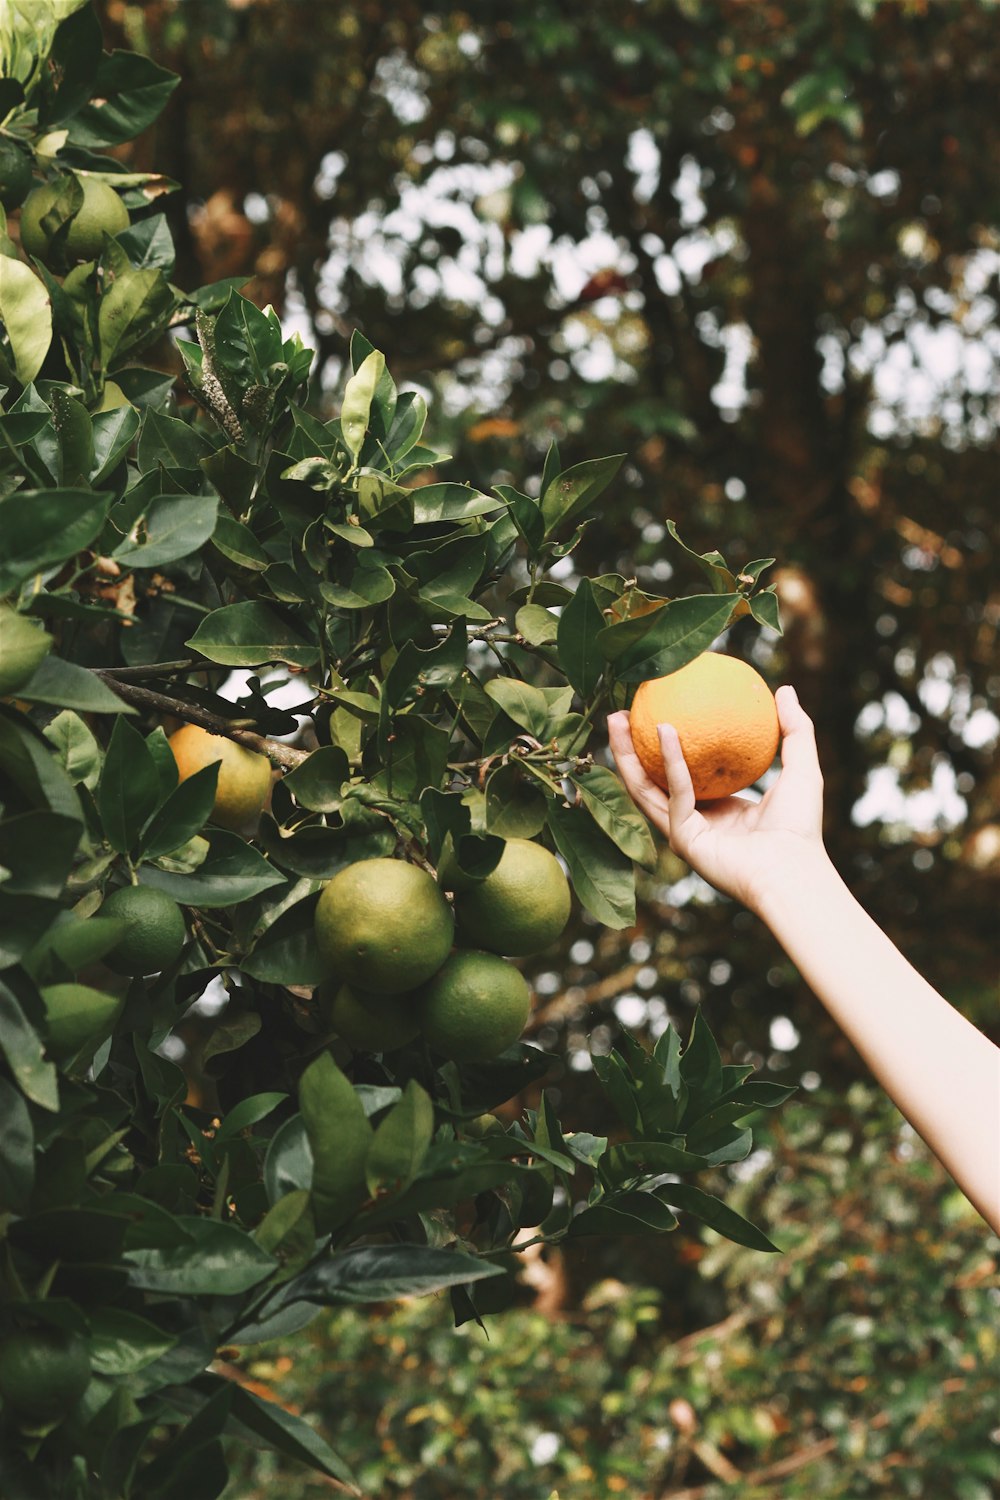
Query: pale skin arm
x,y
942,1073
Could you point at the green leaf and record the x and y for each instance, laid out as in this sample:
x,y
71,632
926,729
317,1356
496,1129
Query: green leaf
x,y
283,1431
247,1112
358,396
184,813
383,1273
612,809
401,1142
133,305
170,442
765,610
247,342
316,783
17,1159
634,1212
113,434
515,806
209,1259
64,683
619,1087
712,564
580,624
522,702
601,874
127,94
288,1165
701,1068
250,634
538,625
232,871
407,425
129,790
286,953
122,1343
171,527
572,491
26,315
72,424
22,1047
76,747
717,1215
433,503
44,527
238,543
339,1137
655,644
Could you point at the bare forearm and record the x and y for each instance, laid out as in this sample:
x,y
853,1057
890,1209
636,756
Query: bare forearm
x,y
941,1072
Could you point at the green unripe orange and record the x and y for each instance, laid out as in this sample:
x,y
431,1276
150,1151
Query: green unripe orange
x,y
154,930
23,646
43,1372
474,1007
15,173
521,907
383,925
101,212
373,1023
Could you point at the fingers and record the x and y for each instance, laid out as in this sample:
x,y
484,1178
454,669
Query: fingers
x,y
678,776
643,791
798,736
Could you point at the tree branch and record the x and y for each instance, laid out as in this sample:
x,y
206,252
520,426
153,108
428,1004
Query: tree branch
x,y
284,756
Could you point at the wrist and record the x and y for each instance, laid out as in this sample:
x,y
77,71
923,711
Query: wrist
x,y
807,876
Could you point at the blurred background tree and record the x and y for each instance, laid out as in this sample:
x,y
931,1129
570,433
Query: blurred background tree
x,y
754,246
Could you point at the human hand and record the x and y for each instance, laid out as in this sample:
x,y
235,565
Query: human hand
x,y
739,845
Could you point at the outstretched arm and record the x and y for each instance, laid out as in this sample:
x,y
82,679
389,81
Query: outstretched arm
x,y
940,1071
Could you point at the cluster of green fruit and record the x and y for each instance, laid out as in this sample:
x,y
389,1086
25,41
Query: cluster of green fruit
x,y
408,964
403,960
65,218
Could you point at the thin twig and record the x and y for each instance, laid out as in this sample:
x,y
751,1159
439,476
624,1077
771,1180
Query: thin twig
x,y
285,756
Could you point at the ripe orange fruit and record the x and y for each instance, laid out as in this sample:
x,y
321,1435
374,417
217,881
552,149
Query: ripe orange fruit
x,y
725,717
244,776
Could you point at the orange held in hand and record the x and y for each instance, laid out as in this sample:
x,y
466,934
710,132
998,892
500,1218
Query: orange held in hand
x,y
725,717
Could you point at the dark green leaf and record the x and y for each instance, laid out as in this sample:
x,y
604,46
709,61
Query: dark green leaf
x,y
211,1259
182,815
601,874
624,1213
17,1159
764,608
23,1049
64,683
288,1166
613,810
129,790
717,1215
170,527
43,527
128,93
579,627
712,564
286,954
400,1142
232,871
250,634
339,1138
382,1273
282,1430
571,492
655,644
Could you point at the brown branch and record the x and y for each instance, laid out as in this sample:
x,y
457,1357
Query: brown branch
x,y
284,756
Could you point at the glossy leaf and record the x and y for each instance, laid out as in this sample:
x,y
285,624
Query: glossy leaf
x,y
613,810
339,1139
601,874
655,644
249,634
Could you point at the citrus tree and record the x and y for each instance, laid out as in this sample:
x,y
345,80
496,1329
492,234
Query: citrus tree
x,y
258,988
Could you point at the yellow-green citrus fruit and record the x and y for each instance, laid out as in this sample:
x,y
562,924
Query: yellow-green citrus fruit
x,y
383,925
244,776
725,717
23,646
154,930
101,212
43,1372
77,1017
112,397
474,1007
373,1023
521,907
15,173
483,1125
